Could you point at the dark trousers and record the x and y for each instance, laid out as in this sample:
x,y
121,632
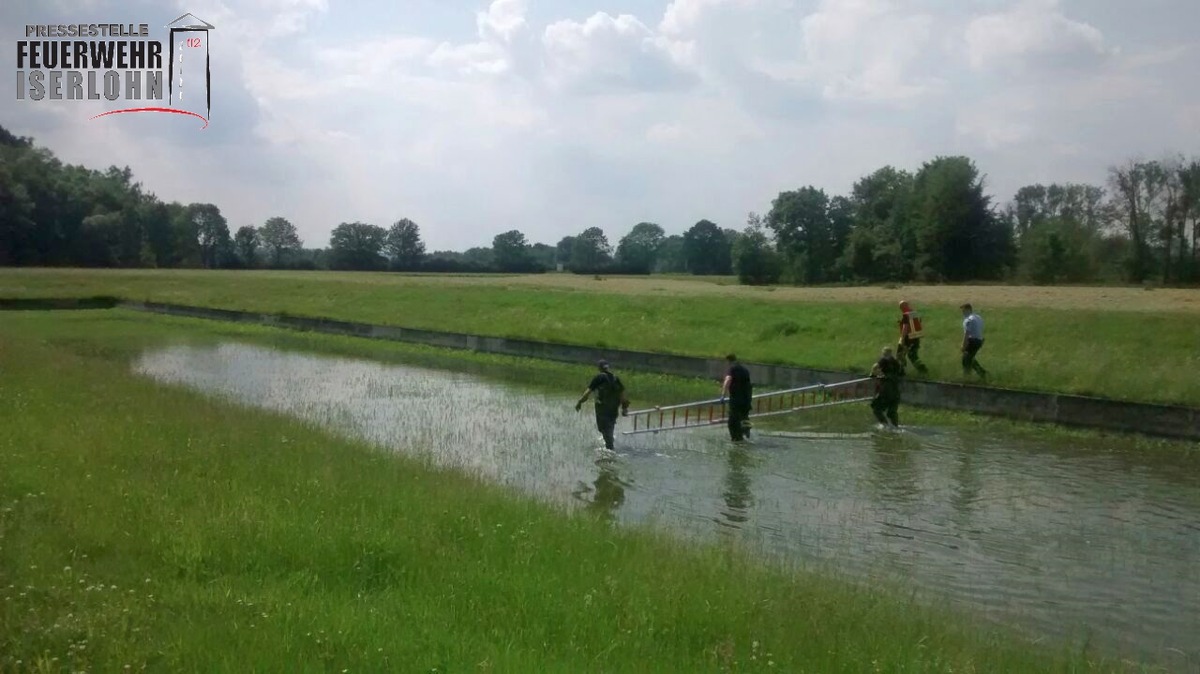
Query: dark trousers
x,y
886,405
606,421
739,417
968,359
910,352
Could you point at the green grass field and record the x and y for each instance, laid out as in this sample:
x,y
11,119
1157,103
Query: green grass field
x,y
1123,343
148,528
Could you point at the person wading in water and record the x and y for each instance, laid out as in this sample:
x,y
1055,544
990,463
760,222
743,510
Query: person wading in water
x,y
738,390
610,397
887,389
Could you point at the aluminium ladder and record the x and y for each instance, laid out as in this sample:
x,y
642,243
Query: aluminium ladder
x,y
714,412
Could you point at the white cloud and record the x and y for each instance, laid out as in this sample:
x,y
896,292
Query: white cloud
x,y
606,53
506,115
1033,30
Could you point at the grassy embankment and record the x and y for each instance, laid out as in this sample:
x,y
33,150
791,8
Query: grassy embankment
x,y
1117,342
152,527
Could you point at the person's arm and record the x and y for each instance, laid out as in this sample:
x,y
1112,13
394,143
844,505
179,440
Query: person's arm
x,y
964,342
725,386
876,371
624,403
587,393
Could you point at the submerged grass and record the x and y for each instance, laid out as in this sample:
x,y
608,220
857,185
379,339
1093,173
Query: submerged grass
x,y
150,527
647,389
1115,342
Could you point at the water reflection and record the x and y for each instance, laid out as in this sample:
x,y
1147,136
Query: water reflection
x,y
1054,538
894,474
738,498
607,492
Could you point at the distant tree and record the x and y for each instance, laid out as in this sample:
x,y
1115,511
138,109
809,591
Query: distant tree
x,y
1189,176
480,258
958,235
156,228
246,242
543,255
358,246
280,238
510,252
1058,250
1058,228
7,138
707,249
403,245
562,252
804,224
881,245
212,234
1137,187
590,252
638,250
671,259
754,257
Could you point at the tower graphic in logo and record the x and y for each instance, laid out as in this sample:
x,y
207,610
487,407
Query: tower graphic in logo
x,y
189,35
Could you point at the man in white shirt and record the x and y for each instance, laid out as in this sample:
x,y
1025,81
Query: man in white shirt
x,y
972,341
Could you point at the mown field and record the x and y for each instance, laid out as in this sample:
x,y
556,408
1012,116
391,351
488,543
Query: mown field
x,y
1124,343
149,528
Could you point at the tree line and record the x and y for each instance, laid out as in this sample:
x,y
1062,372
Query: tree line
x,y
937,224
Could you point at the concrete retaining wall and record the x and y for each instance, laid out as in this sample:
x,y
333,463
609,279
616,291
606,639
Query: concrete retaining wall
x,y
1157,420
58,304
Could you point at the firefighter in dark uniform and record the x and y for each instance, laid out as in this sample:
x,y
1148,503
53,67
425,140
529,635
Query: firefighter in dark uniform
x,y
610,397
887,389
908,350
737,391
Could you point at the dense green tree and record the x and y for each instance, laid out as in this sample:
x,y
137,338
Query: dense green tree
x,y
246,243
482,258
938,224
671,258
562,251
358,246
543,255
590,251
510,252
707,249
755,259
638,250
404,246
803,223
958,235
280,238
212,233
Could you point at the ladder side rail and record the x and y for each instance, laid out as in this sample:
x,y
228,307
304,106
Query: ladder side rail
x,y
717,422
757,396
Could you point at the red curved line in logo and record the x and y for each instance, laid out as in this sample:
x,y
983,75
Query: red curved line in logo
x,y
170,110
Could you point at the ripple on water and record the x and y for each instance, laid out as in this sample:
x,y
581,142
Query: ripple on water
x,y
1052,539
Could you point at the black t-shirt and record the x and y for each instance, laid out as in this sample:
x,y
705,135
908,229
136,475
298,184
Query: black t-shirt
x,y
740,387
608,389
890,368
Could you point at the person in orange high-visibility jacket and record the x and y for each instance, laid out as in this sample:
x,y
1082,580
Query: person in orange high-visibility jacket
x,y
909,347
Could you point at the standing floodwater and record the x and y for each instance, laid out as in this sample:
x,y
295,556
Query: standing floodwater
x,y
1059,541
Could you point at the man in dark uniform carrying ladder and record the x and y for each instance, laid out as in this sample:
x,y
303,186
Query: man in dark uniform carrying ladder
x,y
887,372
738,391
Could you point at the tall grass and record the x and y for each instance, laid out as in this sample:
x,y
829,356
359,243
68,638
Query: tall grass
x,y
144,527
1132,355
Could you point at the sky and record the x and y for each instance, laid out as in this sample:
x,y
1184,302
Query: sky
x,y
473,118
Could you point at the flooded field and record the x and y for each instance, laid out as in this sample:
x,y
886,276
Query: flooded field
x,y
1055,540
